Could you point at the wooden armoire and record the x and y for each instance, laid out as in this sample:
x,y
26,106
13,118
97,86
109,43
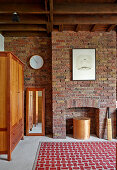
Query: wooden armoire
x,y
11,102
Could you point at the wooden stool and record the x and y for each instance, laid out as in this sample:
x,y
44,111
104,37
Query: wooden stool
x,y
81,128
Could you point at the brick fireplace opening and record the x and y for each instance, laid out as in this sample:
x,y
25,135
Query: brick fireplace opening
x,y
89,112
83,107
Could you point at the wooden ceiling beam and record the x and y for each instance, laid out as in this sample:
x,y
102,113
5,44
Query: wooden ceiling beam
x,y
24,34
84,1
51,14
61,27
48,27
25,22
77,28
61,8
93,28
24,19
20,8
85,19
21,28
46,5
111,27
85,8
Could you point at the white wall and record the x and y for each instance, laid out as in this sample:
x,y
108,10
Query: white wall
x,y
1,43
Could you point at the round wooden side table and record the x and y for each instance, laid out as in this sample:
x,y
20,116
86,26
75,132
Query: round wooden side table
x,y
81,128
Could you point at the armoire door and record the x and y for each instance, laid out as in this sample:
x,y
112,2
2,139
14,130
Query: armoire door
x,y
20,92
3,104
14,92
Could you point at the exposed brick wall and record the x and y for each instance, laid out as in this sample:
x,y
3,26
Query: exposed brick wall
x,y
65,89
24,48
116,83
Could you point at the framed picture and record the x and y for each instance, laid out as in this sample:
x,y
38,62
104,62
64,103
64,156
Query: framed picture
x,y
84,67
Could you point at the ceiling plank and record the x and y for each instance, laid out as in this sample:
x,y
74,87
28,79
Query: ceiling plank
x,y
85,19
22,28
24,34
93,28
60,1
24,19
87,1
63,8
111,27
21,8
85,8
77,28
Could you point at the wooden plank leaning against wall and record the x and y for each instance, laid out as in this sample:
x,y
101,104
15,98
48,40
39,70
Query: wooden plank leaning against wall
x,y
11,102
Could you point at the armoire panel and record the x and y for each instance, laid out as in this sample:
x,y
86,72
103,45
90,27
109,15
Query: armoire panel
x,y
16,133
3,141
20,90
14,91
3,91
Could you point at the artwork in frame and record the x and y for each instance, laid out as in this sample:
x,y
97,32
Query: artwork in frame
x,y
84,67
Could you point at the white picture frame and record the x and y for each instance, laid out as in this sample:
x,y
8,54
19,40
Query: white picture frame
x,y
83,64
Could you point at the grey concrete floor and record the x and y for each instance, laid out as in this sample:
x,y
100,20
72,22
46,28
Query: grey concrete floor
x,y
24,154
37,129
